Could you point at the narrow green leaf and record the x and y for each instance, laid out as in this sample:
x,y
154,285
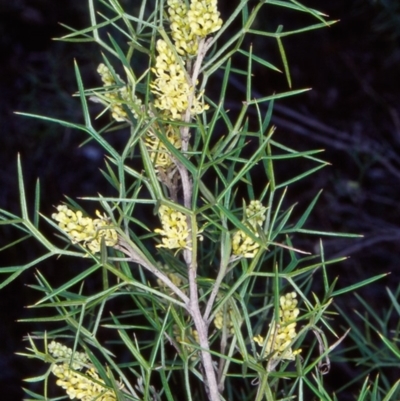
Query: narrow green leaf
x,y
283,56
391,392
260,60
306,214
279,96
391,345
360,284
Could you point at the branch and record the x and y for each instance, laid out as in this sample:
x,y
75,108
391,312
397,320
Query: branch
x,y
125,248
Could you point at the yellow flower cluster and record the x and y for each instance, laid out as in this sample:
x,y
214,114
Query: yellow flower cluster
x,y
281,336
242,244
105,75
188,26
118,97
64,354
203,17
159,154
184,38
222,320
171,86
86,386
255,213
174,230
84,229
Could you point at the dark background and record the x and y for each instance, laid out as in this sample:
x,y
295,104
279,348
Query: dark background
x,y
352,112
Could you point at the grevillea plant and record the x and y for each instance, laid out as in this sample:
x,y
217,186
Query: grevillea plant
x,y
204,293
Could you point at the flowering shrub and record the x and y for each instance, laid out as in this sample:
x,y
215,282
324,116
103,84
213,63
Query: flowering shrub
x,y
191,281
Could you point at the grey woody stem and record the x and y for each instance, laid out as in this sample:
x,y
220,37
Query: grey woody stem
x,y
189,255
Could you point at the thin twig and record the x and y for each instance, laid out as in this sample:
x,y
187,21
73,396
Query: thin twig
x,y
125,248
214,292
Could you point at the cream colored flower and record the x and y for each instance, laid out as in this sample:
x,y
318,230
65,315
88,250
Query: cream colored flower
x,y
105,75
87,386
185,40
242,244
84,229
281,336
171,86
255,213
204,17
118,98
158,152
223,319
62,353
188,26
174,230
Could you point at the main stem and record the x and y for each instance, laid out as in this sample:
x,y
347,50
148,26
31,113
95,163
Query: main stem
x,y
190,255
202,330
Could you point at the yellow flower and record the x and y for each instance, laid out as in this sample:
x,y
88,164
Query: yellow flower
x,y
255,213
203,17
86,386
159,154
105,75
242,244
171,87
174,230
62,353
222,320
185,40
282,336
84,229
189,26
118,97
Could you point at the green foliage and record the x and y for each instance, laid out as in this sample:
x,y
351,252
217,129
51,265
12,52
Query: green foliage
x,y
206,243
